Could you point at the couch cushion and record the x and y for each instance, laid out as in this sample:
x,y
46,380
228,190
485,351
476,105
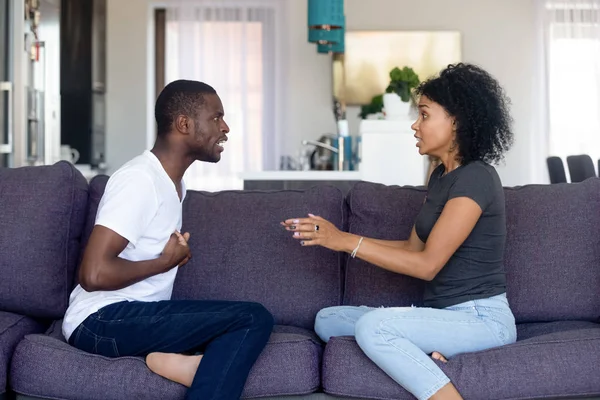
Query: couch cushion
x,y
531,330
43,212
547,366
12,329
241,252
381,212
47,367
95,192
553,251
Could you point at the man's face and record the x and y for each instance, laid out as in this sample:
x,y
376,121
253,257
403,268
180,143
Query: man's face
x,y
209,130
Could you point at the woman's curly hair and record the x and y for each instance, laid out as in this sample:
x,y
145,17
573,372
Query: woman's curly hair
x,y
481,109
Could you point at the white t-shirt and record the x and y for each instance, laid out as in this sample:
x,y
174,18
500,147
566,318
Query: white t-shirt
x,y
141,204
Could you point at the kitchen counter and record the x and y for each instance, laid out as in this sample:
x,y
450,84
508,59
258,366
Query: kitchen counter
x,y
301,176
289,180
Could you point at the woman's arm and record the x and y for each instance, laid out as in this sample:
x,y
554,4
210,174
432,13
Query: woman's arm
x,y
413,243
452,228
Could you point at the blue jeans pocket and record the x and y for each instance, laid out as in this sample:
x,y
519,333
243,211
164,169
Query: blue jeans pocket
x,y
88,341
495,313
501,322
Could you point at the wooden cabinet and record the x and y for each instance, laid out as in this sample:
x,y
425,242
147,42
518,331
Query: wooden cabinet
x,y
83,78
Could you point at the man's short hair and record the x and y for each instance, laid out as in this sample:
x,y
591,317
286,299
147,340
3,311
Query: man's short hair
x,y
180,97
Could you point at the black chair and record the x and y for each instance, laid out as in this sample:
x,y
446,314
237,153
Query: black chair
x,y
556,170
581,167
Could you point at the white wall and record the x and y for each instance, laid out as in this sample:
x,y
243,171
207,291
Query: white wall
x,y
498,35
308,112
126,88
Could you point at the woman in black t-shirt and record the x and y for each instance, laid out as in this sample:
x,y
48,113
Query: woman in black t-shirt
x,y
456,245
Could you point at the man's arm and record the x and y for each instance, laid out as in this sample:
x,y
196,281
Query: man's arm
x,y
103,269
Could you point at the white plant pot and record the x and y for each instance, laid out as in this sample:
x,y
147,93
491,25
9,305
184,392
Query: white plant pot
x,y
394,107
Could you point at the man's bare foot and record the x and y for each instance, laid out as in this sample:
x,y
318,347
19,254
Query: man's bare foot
x,y
175,367
437,356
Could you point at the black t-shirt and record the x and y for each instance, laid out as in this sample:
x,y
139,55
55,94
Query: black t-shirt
x,y
476,269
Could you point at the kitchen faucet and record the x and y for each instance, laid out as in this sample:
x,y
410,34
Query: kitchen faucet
x,y
320,144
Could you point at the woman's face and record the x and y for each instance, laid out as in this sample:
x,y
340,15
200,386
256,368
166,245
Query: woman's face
x,y
435,130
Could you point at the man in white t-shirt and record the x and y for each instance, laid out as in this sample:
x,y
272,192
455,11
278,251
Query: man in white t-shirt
x,y
123,306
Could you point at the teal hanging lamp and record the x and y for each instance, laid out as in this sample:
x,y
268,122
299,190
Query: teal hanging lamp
x,y
338,46
322,36
325,20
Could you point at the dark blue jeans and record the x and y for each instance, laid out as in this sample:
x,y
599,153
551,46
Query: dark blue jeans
x,y
230,334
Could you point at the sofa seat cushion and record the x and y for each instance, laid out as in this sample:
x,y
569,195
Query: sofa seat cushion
x,y
46,366
531,330
43,213
563,363
13,328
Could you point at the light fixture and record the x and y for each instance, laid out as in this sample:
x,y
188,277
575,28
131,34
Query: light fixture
x,y
338,46
325,20
322,36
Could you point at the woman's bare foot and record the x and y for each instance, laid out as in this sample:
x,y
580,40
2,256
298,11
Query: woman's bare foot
x,y
437,356
448,392
175,367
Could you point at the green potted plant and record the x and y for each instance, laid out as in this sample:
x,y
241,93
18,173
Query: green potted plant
x,y
398,94
402,82
376,106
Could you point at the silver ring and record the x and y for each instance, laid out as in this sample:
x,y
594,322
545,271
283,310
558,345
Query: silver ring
x,y
316,228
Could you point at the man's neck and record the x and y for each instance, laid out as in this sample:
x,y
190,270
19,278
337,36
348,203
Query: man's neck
x,y
173,161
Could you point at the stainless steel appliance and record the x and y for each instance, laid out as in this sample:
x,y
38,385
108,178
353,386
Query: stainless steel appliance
x,y
36,105
6,86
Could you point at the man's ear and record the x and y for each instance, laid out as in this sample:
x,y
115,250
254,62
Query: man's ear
x,y
183,124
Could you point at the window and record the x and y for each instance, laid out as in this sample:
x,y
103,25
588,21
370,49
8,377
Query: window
x,y
234,50
574,78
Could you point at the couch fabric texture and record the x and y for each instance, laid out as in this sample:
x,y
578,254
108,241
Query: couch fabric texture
x,y
242,253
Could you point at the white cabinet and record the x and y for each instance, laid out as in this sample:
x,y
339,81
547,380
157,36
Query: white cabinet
x,y
389,154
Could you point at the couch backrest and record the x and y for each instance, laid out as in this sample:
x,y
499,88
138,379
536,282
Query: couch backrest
x,y
42,213
240,252
95,192
552,253
381,212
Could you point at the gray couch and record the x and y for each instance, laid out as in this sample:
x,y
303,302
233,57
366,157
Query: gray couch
x,y
241,252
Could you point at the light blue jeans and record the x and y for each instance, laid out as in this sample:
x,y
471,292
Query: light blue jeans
x,y
400,339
